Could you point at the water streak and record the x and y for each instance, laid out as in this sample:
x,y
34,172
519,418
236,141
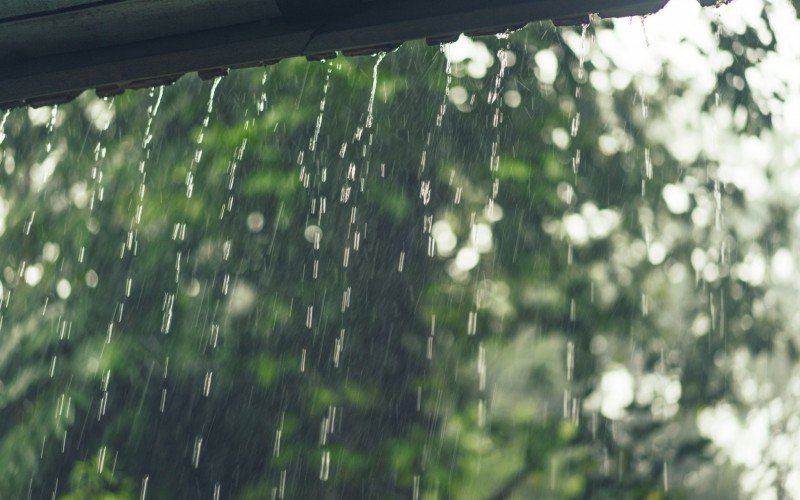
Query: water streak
x,y
368,123
198,153
3,125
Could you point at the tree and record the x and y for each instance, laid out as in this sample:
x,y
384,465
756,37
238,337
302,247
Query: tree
x,y
457,272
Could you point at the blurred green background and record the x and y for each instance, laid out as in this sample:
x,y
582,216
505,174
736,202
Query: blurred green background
x,y
281,288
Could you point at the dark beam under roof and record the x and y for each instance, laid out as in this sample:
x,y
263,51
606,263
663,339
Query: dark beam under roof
x,y
51,50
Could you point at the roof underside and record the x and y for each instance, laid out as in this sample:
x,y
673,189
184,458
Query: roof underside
x,y
51,50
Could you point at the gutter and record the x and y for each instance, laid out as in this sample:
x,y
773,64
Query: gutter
x,y
52,50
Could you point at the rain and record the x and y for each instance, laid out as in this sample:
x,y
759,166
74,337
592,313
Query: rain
x,y
556,261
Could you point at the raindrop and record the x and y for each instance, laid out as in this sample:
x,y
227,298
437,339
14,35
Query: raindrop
x,y
570,360
325,466
145,481
198,445
3,125
372,91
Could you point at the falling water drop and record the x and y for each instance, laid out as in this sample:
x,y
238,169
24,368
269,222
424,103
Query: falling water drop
x,y
50,126
368,123
198,446
3,125
582,56
198,153
325,466
575,125
570,360
717,205
312,144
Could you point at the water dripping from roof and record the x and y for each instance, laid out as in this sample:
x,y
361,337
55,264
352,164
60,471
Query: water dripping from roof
x,y
3,125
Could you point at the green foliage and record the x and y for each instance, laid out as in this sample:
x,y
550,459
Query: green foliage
x,y
182,355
